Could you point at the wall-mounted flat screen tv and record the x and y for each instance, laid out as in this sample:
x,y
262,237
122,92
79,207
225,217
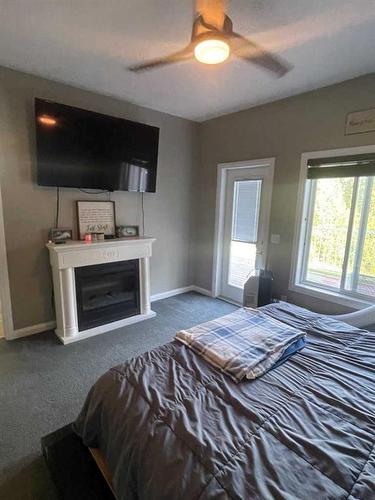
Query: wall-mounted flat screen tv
x,y
82,149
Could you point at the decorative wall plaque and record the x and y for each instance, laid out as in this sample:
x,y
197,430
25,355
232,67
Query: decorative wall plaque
x,y
360,121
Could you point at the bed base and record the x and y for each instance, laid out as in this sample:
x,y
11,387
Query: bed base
x,y
79,473
98,456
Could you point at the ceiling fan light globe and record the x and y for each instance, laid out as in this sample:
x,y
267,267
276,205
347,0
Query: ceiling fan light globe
x,y
211,51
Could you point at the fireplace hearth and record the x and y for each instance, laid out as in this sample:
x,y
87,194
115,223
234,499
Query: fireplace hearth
x,y
106,293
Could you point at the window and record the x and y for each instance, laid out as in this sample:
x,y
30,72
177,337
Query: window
x,y
337,242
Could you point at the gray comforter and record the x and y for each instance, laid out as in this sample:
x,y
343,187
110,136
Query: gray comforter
x,y
172,427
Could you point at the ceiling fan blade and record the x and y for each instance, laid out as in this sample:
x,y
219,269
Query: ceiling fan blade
x,y
182,55
212,12
252,52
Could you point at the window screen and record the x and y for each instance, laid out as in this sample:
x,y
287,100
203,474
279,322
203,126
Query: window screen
x,y
339,240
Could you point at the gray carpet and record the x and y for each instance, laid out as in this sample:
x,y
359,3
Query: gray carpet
x,y
43,385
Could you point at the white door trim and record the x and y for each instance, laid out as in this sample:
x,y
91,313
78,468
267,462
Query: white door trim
x,y
6,304
222,172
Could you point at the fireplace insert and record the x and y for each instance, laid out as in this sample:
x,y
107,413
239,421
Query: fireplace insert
x,y
107,293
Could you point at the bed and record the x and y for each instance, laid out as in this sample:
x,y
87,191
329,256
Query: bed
x,y
168,425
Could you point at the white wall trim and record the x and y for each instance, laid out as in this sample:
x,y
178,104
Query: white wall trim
x,y
5,298
51,325
222,172
179,291
202,291
296,262
332,297
171,293
32,330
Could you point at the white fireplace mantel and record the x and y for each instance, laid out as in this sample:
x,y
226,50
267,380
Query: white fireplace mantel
x,y
64,258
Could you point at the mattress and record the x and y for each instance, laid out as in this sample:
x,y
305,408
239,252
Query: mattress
x,y
171,426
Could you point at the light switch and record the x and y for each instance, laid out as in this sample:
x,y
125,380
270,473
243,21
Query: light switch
x,y
275,239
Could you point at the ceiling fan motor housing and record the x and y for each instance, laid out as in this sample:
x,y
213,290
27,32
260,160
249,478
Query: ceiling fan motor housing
x,y
202,30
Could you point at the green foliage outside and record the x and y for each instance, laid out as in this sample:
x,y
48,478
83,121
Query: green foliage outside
x,y
330,227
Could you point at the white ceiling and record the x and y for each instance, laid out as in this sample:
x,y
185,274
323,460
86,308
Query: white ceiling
x,y
88,43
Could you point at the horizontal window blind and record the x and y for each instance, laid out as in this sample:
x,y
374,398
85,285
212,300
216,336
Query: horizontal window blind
x,y
246,210
341,166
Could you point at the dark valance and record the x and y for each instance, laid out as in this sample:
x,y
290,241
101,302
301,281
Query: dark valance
x,y
341,166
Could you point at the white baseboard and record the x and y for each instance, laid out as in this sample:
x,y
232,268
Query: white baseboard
x,y
202,291
171,293
179,291
32,330
51,325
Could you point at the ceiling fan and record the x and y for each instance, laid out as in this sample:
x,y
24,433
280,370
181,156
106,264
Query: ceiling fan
x,y
213,40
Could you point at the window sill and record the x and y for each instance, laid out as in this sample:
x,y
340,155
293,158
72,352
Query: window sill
x,y
335,298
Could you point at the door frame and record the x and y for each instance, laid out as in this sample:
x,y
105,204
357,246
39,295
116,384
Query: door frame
x,y
222,174
5,297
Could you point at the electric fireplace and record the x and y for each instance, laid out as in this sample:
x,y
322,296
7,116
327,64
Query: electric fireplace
x,y
106,293
100,286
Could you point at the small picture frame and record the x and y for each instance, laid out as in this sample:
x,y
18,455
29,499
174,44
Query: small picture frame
x,y
127,231
59,235
96,217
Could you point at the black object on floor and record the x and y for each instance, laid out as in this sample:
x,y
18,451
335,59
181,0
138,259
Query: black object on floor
x,y
73,470
52,382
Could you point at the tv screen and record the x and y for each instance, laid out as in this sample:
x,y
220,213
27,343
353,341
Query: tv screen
x,y
83,149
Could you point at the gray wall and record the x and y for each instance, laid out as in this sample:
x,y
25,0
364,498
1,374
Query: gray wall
x,y
29,210
283,129
181,214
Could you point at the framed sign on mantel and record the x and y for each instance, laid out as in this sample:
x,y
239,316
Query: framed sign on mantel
x,y
96,217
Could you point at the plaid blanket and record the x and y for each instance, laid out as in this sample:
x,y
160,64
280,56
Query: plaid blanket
x,y
246,343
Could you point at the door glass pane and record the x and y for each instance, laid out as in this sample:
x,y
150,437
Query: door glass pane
x,y
329,229
241,263
242,256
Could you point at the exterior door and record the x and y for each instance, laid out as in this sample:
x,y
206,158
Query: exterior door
x,y
247,203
